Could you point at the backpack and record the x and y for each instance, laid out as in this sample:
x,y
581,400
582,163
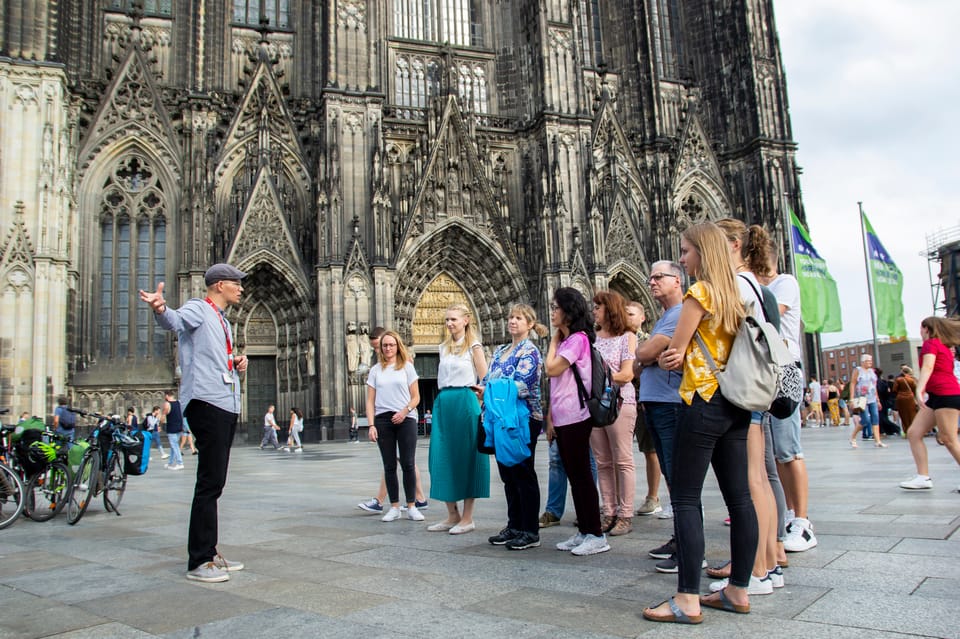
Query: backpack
x,y
136,452
603,402
506,421
751,378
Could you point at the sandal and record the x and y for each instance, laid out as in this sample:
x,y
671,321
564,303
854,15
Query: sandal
x,y
676,616
723,603
719,572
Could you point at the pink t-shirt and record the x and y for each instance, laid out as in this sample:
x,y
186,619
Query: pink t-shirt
x,y
564,401
942,381
615,351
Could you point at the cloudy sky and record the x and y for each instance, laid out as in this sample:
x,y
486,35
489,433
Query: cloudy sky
x,y
873,87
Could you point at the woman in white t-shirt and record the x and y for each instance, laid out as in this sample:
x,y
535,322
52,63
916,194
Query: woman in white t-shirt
x,y
393,393
457,470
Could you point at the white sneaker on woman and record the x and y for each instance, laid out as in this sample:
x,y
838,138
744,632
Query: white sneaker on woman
x,y
392,515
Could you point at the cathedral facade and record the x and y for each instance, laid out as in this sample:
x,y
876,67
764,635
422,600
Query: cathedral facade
x,y
366,162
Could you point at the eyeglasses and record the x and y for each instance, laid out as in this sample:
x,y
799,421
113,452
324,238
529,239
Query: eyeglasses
x,y
388,345
656,277
554,307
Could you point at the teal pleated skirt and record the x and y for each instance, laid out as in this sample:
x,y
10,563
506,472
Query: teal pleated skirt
x,y
457,470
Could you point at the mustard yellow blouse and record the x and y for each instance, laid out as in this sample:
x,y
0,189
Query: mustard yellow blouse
x,y
697,377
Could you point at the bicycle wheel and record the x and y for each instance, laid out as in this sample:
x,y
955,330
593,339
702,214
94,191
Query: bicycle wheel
x,y
114,483
84,486
48,491
11,496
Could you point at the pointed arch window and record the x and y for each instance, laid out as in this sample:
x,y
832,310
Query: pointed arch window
x,y
133,248
667,43
456,22
591,41
249,12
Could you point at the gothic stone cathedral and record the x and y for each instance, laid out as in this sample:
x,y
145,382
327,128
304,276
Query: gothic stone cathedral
x,y
367,162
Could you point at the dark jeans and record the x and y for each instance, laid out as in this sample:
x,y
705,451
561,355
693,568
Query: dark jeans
x,y
661,418
713,432
522,489
390,437
213,429
573,442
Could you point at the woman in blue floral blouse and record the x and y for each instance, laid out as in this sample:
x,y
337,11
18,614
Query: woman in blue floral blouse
x,y
520,360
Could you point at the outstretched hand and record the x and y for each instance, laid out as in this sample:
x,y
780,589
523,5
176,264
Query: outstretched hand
x,y
154,300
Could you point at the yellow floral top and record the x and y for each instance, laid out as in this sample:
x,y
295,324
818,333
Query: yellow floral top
x,y
697,377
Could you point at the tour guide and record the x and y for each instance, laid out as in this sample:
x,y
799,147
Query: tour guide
x,y
210,391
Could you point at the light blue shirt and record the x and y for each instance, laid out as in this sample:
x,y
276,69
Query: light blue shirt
x,y
656,384
203,354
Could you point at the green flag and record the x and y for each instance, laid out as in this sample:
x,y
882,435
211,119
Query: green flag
x,y
819,301
887,286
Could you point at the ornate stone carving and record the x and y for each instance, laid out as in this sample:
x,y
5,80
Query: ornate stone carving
x,y
264,227
352,14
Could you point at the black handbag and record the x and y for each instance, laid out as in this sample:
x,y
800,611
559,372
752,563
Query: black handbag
x,y
482,438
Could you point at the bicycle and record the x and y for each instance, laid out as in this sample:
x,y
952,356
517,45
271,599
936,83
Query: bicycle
x,y
101,470
48,489
11,487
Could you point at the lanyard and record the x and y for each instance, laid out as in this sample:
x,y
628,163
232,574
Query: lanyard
x,y
226,333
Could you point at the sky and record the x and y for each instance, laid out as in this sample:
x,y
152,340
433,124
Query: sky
x,y
873,86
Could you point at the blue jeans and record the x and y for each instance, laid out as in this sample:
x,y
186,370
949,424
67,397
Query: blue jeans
x,y
869,418
661,418
557,481
66,432
176,459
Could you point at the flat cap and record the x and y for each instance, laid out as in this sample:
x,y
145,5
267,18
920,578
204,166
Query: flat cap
x,y
219,272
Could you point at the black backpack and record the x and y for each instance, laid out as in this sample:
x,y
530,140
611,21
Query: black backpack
x,y
603,402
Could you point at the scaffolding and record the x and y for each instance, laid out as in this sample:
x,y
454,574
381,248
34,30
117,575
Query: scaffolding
x,y
943,250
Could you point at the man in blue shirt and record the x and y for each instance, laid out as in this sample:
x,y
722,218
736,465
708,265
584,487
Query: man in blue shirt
x,y
64,422
659,388
210,392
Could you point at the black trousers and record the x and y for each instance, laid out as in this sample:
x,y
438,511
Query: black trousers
x,y
522,489
573,443
390,438
213,429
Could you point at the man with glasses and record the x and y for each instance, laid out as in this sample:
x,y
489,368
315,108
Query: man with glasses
x,y
210,391
660,389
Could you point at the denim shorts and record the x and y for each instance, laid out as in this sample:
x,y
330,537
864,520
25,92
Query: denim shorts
x,y
786,437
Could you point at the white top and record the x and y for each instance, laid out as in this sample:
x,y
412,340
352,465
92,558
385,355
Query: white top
x,y
787,290
815,391
269,420
457,370
393,388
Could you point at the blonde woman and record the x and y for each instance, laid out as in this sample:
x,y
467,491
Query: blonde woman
x,y
457,471
393,393
710,430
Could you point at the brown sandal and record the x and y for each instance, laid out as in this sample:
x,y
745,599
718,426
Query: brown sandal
x,y
719,572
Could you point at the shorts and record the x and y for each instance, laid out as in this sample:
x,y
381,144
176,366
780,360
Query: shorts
x,y
786,438
644,438
935,402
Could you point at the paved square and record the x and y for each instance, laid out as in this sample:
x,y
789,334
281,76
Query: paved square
x,y
887,564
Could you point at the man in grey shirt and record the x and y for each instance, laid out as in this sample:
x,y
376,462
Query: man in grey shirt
x,y
210,393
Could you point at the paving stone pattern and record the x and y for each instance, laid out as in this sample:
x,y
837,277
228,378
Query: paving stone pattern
x,y
887,564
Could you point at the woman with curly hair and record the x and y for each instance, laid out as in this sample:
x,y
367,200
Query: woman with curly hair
x,y
613,445
569,419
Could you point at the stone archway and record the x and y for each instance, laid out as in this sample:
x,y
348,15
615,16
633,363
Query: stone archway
x,y
475,263
428,328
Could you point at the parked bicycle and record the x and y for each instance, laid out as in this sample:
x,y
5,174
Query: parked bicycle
x,y
101,469
11,487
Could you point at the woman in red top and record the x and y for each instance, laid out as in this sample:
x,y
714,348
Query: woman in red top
x,y
938,394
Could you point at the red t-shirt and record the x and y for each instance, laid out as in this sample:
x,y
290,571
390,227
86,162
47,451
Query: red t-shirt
x,y
942,380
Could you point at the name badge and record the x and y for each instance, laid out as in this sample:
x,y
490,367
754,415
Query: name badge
x,y
228,378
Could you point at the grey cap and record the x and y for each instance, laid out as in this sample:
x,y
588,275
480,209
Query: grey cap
x,y
219,272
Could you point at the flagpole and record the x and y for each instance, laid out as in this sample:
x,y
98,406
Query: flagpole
x,y
866,264
815,363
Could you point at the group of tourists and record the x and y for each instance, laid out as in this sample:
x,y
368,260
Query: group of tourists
x,y
501,407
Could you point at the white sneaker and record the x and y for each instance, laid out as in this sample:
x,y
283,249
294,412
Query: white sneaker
x,y
571,543
286,448
298,450
776,577
208,573
413,514
592,545
788,518
919,482
392,515
758,585
801,537
666,513
164,455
